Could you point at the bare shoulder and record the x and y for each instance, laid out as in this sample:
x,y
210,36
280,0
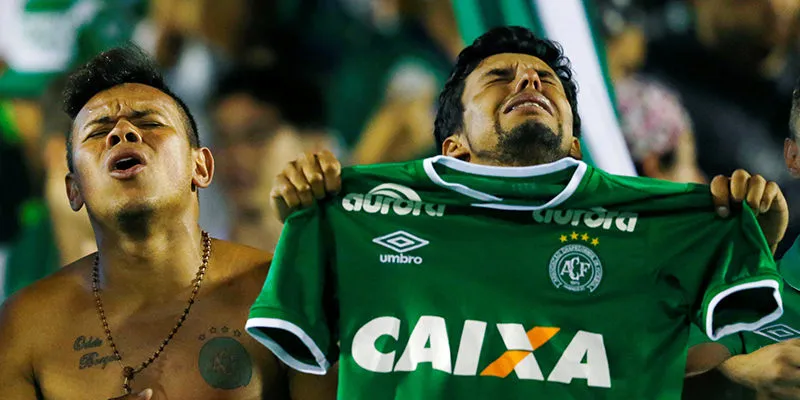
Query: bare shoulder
x,y
32,315
55,292
241,262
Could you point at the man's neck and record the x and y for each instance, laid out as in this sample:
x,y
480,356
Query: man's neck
x,y
153,265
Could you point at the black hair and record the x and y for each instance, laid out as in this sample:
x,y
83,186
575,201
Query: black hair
x,y
292,91
511,39
117,66
794,116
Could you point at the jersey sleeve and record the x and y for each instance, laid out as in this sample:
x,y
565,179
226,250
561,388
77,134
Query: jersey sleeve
x,y
291,314
742,292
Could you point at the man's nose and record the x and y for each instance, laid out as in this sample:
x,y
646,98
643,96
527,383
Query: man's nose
x,y
528,78
123,132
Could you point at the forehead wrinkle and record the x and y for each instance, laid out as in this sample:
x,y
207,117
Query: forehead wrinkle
x,y
115,108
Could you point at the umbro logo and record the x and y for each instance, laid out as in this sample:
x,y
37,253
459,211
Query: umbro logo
x,y
779,332
400,242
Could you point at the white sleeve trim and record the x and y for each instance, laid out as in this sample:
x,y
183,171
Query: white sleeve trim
x,y
742,326
322,365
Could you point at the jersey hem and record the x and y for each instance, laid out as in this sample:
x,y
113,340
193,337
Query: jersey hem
x,y
743,326
253,328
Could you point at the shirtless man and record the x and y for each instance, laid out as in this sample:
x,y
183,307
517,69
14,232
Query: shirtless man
x,y
148,316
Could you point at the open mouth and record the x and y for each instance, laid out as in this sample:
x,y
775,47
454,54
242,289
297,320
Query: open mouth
x,y
126,163
529,102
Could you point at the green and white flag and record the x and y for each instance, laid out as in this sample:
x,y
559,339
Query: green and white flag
x,y
567,22
43,38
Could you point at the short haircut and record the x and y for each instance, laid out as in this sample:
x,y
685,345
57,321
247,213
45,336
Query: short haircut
x,y
117,66
292,91
794,116
511,39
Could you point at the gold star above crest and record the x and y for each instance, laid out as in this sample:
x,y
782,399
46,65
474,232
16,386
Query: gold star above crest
x,y
595,241
585,237
574,236
563,238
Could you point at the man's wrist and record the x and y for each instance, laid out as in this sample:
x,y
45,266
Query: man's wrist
x,y
736,369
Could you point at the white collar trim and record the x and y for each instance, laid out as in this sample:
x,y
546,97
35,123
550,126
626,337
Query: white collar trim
x,y
506,172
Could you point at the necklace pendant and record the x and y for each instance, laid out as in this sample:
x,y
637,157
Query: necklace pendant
x,y
127,374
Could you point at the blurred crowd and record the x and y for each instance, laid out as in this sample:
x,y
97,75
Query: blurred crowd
x,y
702,88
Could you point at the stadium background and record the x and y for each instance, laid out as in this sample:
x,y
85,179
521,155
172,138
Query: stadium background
x,y
674,89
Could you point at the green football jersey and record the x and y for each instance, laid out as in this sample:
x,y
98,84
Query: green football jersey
x,y
785,328
443,279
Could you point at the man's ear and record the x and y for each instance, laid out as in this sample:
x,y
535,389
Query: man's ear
x,y
73,192
575,149
791,154
455,146
203,168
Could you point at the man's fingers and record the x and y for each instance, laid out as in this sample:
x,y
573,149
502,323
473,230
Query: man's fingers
x,y
284,191
773,197
331,171
298,180
284,197
739,184
313,173
720,192
755,193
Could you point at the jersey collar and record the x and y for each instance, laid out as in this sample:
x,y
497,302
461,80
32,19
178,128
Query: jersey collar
x,y
492,201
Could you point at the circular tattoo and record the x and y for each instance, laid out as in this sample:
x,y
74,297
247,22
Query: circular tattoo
x,y
225,364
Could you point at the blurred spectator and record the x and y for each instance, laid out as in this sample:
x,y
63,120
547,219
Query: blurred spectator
x,y
734,70
15,144
264,118
53,234
658,131
656,126
381,98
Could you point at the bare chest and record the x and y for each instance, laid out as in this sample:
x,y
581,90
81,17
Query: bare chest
x,y
210,357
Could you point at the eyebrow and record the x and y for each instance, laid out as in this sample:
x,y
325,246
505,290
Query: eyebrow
x,y
500,72
107,120
506,71
545,73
